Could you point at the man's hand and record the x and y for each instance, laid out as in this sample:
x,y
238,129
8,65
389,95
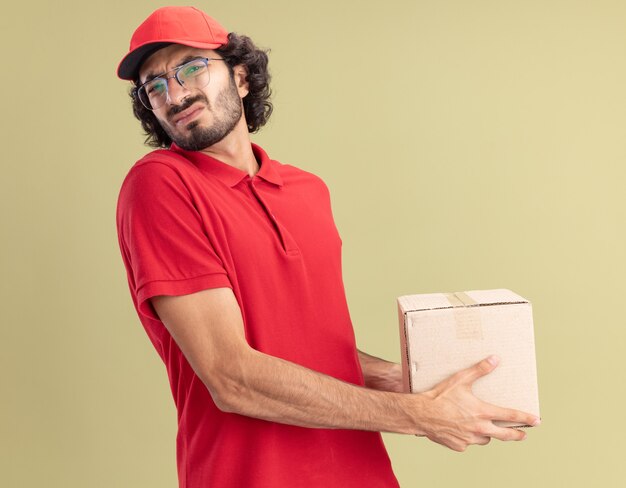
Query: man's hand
x,y
455,418
380,374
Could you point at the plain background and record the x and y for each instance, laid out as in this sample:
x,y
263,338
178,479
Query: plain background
x,y
467,145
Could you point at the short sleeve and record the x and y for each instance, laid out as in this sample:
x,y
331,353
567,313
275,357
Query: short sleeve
x,y
165,246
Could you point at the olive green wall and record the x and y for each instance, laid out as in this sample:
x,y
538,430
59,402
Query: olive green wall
x,y
467,145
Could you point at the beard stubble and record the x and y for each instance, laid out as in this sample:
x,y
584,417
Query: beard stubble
x,y
226,113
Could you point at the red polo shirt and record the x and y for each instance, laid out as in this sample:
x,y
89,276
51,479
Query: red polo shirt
x,y
188,222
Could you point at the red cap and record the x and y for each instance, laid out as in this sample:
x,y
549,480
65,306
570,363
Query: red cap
x,y
181,25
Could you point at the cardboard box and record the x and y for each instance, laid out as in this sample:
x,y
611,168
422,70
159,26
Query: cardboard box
x,y
442,333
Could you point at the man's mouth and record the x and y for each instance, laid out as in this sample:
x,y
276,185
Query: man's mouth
x,y
186,115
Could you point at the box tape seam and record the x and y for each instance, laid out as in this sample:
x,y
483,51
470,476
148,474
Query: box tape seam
x,y
468,324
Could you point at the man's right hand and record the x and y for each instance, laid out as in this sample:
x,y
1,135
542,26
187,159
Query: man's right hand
x,y
455,418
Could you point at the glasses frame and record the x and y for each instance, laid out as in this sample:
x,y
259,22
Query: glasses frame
x,y
166,79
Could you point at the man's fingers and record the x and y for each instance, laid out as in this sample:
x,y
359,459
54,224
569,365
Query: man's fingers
x,y
481,368
512,415
482,440
506,433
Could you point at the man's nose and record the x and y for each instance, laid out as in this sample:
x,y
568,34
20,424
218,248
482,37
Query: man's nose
x,y
175,92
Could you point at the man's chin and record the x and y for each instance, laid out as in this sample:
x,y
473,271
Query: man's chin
x,y
198,141
187,139
192,125
184,131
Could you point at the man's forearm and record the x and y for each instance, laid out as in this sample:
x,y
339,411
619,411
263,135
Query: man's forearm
x,y
270,388
380,374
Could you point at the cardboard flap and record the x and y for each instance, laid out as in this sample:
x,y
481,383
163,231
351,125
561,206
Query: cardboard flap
x,y
432,301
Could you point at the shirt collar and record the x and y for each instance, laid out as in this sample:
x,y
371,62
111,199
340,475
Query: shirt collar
x,y
228,174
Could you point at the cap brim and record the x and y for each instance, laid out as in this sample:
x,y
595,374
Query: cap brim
x,y
128,69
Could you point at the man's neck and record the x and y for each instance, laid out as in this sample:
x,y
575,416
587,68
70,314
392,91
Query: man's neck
x,y
235,150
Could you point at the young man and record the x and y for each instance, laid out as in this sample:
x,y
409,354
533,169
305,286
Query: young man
x,y
234,267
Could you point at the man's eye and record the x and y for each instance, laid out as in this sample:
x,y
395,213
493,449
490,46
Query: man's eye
x,y
155,88
190,70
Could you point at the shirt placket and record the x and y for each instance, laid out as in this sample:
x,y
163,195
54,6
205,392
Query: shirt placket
x,y
287,242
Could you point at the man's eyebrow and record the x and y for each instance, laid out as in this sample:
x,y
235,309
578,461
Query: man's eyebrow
x,y
186,59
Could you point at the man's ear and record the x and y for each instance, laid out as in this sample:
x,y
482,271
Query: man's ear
x,y
240,73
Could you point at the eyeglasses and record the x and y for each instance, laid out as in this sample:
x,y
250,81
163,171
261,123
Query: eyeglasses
x,y
154,93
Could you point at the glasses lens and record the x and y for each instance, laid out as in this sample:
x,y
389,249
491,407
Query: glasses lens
x,y
194,74
153,93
